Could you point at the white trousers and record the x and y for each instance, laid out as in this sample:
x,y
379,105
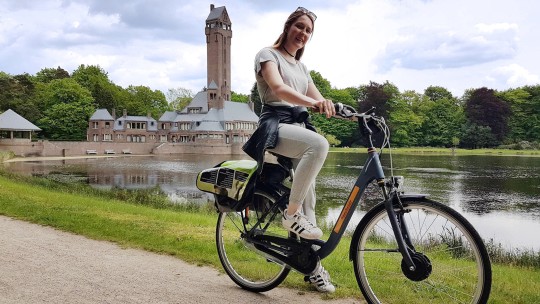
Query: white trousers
x,y
308,150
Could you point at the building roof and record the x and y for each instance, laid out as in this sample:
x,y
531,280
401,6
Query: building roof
x,y
9,120
216,13
212,121
169,116
199,101
238,111
101,114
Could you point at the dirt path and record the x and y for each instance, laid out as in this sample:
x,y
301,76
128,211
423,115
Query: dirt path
x,y
43,265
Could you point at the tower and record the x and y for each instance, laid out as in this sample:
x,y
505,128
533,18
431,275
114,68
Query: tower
x,y
218,56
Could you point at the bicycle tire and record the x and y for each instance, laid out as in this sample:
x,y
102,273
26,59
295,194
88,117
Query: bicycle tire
x,y
246,266
459,271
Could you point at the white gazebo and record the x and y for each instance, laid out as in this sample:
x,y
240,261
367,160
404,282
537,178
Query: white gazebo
x,y
14,127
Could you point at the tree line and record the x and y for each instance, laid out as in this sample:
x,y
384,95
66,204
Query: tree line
x,y
481,118
61,104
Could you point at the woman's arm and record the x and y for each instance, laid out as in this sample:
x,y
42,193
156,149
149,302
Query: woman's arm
x,y
270,73
313,99
326,105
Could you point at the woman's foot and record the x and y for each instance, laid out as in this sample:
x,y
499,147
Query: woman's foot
x,y
299,224
321,280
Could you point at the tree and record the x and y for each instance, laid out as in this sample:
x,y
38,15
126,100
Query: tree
x,y
96,80
377,95
18,94
67,107
237,97
435,93
179,98
524,123
484,108
321,83
144,101
47,75
256,99
475,136
67,121
442,123
406,118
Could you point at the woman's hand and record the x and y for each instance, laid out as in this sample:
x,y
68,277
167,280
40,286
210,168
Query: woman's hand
x,y
325,106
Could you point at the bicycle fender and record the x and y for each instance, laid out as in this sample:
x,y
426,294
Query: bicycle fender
x,y
404,197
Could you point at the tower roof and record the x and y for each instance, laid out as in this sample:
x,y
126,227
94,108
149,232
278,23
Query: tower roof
x,y
218,13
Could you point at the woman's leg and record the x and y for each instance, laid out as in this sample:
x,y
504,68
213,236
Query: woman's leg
x,y
309,149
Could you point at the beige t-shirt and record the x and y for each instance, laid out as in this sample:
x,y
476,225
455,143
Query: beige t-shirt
x,y
295,75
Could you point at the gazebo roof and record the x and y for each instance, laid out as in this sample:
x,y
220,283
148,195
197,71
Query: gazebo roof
x,y
9,120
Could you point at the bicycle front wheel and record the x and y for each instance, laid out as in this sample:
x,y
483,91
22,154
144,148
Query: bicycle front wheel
x,y
246,266
452,262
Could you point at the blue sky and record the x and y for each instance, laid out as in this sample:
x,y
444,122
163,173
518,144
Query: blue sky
x,y
458,44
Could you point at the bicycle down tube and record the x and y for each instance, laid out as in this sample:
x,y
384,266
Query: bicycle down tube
x,y
372,170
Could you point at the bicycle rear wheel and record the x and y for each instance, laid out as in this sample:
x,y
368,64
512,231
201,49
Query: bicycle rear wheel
x,y
246,266
452,262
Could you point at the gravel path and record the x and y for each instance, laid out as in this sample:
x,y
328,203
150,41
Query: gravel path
x,y
42,265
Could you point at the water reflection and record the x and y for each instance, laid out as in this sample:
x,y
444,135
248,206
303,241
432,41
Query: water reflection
x,y
492,191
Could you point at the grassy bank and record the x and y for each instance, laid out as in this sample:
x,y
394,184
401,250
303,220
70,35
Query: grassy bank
x,y
449,151
186,232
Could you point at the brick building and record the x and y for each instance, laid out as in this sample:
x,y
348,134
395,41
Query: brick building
x,y
210,120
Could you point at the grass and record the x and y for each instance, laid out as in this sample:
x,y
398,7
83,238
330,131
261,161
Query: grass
x,y
187,232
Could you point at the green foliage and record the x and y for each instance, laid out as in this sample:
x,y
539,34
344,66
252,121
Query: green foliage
x,y
256,99
67,106
442,123
47,75
179,98
96,80
406,118
475,136
321,83
524,123
144,101
346,132
479,118
237,97
67,121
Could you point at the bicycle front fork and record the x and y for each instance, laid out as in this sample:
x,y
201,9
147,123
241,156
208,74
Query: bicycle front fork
x,y
399,227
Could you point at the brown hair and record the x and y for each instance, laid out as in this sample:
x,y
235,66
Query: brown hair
x,y
280,42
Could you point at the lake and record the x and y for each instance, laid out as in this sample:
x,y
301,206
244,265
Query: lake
x,y
498,194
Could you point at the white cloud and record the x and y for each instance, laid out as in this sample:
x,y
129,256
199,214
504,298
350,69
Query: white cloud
x,y
514,75
428,48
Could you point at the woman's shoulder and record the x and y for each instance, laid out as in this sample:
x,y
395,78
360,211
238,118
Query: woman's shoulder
x,y
268,50
267,54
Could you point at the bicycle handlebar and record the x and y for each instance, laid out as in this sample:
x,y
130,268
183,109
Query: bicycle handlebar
x,y
368,119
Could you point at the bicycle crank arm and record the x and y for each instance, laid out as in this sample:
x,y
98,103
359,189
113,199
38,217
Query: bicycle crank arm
x,y
299,256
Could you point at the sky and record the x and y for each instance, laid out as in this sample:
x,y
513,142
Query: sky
x,y
414,44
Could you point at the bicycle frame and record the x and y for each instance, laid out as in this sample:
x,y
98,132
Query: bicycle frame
x,y
372,170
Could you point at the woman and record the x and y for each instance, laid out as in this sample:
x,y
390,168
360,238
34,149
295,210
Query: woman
x,y
287,90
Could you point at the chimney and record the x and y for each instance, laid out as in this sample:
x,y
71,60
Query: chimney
x,y
125,113
211,7
114,114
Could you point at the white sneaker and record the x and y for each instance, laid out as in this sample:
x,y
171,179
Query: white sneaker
x,y
299,224
321,280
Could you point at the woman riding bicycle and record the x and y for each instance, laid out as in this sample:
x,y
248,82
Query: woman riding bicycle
x,y
287,91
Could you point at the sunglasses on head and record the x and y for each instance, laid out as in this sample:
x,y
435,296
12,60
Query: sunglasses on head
x,y
307,12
